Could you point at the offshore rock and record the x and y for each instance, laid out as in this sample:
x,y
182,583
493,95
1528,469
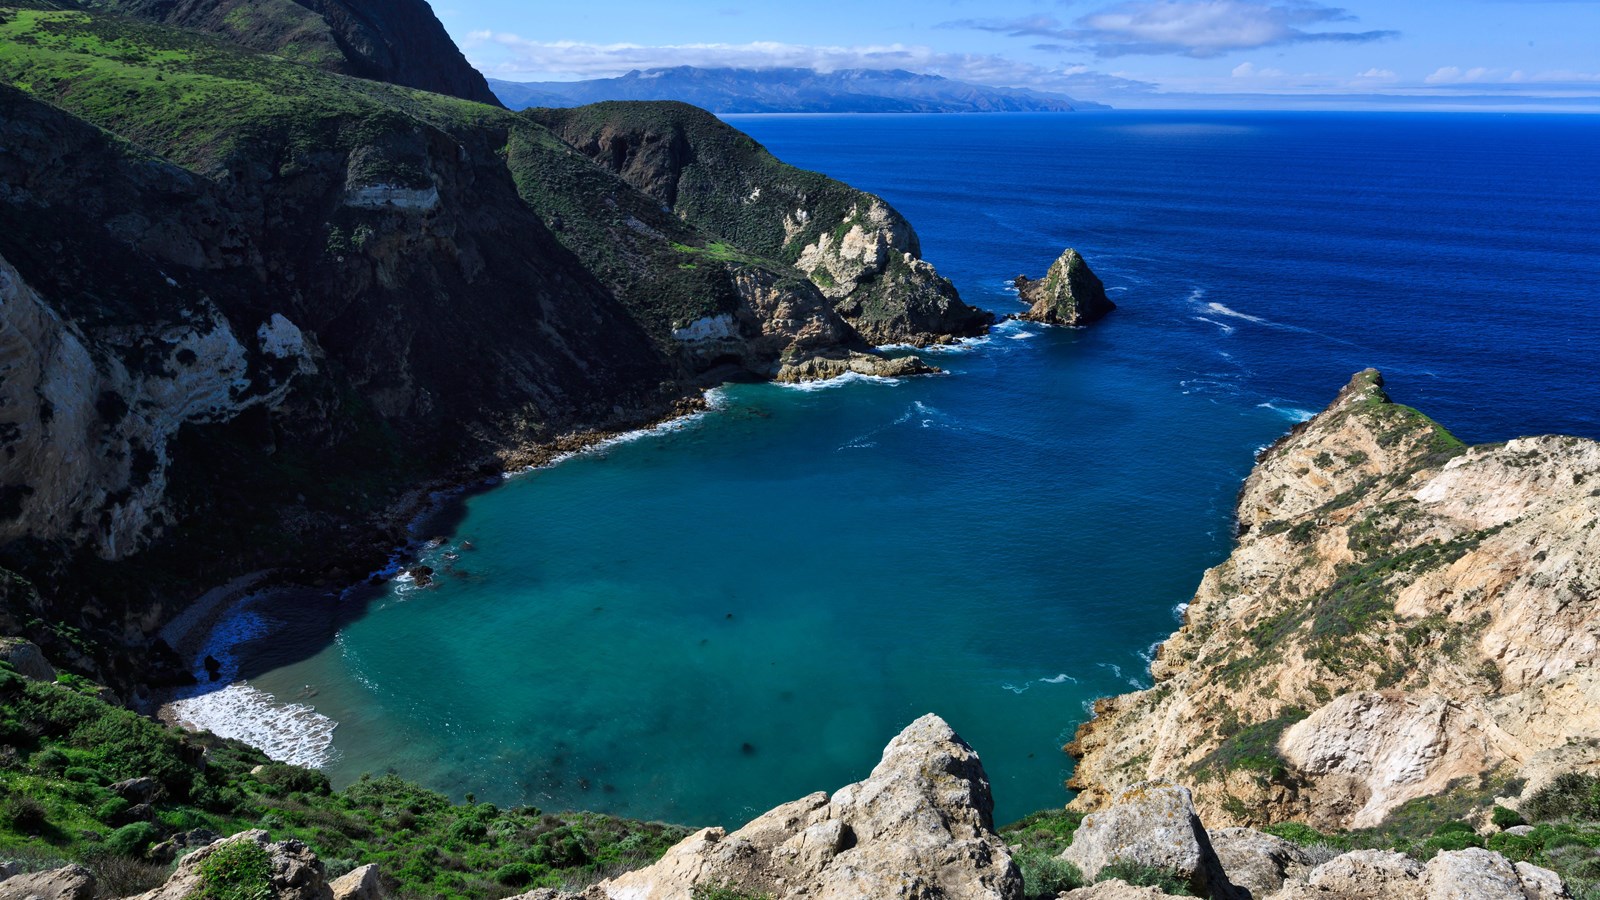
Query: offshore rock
x,y
1401,613
1069,294
820,368
920,826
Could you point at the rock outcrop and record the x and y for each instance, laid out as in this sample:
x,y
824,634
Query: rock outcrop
x,y
1151,828
1151,825
27,659
1069,294
1402,615
295,873
821,368
859,251
920,826
72,882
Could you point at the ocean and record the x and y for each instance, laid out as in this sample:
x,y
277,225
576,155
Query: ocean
x,y
735,610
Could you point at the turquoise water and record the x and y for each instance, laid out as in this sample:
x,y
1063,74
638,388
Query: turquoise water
x,y
702,623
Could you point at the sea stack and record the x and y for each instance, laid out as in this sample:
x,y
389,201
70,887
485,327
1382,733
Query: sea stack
x,y
1069,294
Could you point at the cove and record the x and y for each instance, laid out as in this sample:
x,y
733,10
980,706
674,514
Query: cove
x,y
704,622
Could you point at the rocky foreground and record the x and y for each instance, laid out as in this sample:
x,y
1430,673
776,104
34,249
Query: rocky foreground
x,y
1403,617
920,826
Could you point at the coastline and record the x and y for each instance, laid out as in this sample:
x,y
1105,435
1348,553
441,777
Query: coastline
x,y
197,632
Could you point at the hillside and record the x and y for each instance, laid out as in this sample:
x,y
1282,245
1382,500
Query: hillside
x,y
239,286
789,91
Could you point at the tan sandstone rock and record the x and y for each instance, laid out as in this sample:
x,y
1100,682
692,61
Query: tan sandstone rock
x,y
1151,824
920,826
1401,613
72,882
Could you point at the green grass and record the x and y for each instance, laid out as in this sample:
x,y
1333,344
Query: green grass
x,y
68,746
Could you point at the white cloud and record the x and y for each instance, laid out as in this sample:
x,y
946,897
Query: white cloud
x,y
1458,75
1249,70
1376,74
520,58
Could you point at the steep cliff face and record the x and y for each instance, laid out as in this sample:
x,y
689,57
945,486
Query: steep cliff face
x,y
238,287
1403,616
398,41
861,253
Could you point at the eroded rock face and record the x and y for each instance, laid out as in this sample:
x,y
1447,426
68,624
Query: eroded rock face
x,y
1069,294
920,826
1400,612
1116,889
1151,824
296,871
855,248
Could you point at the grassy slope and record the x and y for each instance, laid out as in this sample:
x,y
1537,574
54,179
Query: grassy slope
x,y
62,748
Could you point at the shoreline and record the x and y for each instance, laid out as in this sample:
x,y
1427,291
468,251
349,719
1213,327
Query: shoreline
x,y
192,633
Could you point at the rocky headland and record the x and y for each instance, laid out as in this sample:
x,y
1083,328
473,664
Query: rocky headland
x,y
1404,617
1069,293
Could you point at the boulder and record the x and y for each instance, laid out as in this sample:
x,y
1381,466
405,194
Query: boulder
x,y
1477,874
1369,875
296,871
1150,824
138,790
27,659
921,825
1069,294
1256,863
364,883
72,882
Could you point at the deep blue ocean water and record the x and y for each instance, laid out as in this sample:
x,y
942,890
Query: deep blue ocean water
x,y
702,623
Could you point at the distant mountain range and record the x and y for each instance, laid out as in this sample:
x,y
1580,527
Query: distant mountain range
x,y
789,91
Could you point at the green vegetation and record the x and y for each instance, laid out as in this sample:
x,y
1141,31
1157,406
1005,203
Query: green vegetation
x,y
65,748
1252,747
241,870
1147,876
1035,842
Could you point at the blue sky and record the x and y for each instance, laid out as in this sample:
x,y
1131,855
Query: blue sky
x,y
1134,53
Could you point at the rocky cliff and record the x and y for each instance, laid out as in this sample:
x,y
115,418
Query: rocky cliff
x,y
852,246
1402,617
236,285
1068,294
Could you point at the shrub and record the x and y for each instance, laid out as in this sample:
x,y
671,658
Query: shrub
x,y
84,774
130,840
108,811
281,779
1140,875
515,874
120,876
1515,847
1298,833
1504,818
241,870
24,813
1569,796
1045,875
50,761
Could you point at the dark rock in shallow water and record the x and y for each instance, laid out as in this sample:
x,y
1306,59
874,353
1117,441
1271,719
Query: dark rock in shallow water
x,y
1069,294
